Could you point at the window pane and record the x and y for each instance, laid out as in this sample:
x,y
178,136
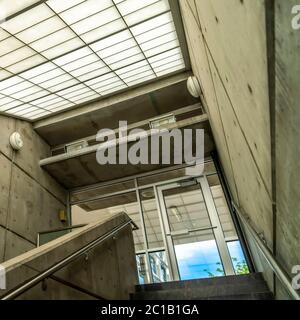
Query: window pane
x,y
159,267
198,256
237,257
151,217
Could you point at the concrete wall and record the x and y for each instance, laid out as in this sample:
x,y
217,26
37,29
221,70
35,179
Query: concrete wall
x,y
29,199
109,271
231,46
287,117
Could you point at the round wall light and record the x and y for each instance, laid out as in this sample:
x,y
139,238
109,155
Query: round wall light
x,y
16,141
193,86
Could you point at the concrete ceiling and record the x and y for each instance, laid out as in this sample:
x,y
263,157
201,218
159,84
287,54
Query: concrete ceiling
x,y
82,169
162,99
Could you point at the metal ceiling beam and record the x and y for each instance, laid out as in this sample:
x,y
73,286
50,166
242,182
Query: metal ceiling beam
x,y
117,98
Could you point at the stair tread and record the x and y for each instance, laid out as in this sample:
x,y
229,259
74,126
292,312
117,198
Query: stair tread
x,y
244,287
228,280
249,296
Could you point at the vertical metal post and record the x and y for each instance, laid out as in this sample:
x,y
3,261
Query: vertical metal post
x,y
148,263
170,253
218,232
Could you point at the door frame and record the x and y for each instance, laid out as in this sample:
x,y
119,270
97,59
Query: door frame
x,y
216,226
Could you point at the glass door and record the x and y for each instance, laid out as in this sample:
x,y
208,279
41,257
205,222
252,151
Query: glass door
x,y
194,236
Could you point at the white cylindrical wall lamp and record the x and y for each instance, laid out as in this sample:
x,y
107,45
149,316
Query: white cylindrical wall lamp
x,y
16,141
194,86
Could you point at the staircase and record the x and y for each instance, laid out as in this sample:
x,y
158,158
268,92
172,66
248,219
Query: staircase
x,y
243,287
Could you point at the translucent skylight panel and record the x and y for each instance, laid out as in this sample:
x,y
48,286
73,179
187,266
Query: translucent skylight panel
x,y
109,86
8,45
4,74
101,83
122,55
118,88
51,102
36,71
19,87
112,40
159,41
85,97
84,10
12,7
26,64
5,100
37,114
104,31
142,70
47,76
146,12
24,93
83,52
77,92
86,69
49,97
170,70
125,62
119,47
26,110
53,39
72,89
16,56
161,48
10,105
63,48
96,20
155,33
27,19
63,85
13,89
104,87
34,96
54,81
21,108
3,34
138,75
41,30
141,79
151,24
10,82
80,62
59,5
168,65
101,78
132,67
165,55
129,6
73,56
60,106
93,74
167,60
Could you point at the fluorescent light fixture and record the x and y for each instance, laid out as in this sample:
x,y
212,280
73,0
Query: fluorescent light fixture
x,y
61,53
161,122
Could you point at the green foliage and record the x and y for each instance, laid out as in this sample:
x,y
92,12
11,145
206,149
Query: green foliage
x,y
240,268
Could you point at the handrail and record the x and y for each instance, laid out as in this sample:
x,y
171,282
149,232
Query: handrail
x,y
56,267
278,270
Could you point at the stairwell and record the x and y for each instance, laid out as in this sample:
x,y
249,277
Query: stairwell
x,y
242,287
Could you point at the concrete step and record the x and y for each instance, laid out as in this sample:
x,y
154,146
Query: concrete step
x,y
245,287
218,281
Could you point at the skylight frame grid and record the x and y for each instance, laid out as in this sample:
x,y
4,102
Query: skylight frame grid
x,y
113,68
